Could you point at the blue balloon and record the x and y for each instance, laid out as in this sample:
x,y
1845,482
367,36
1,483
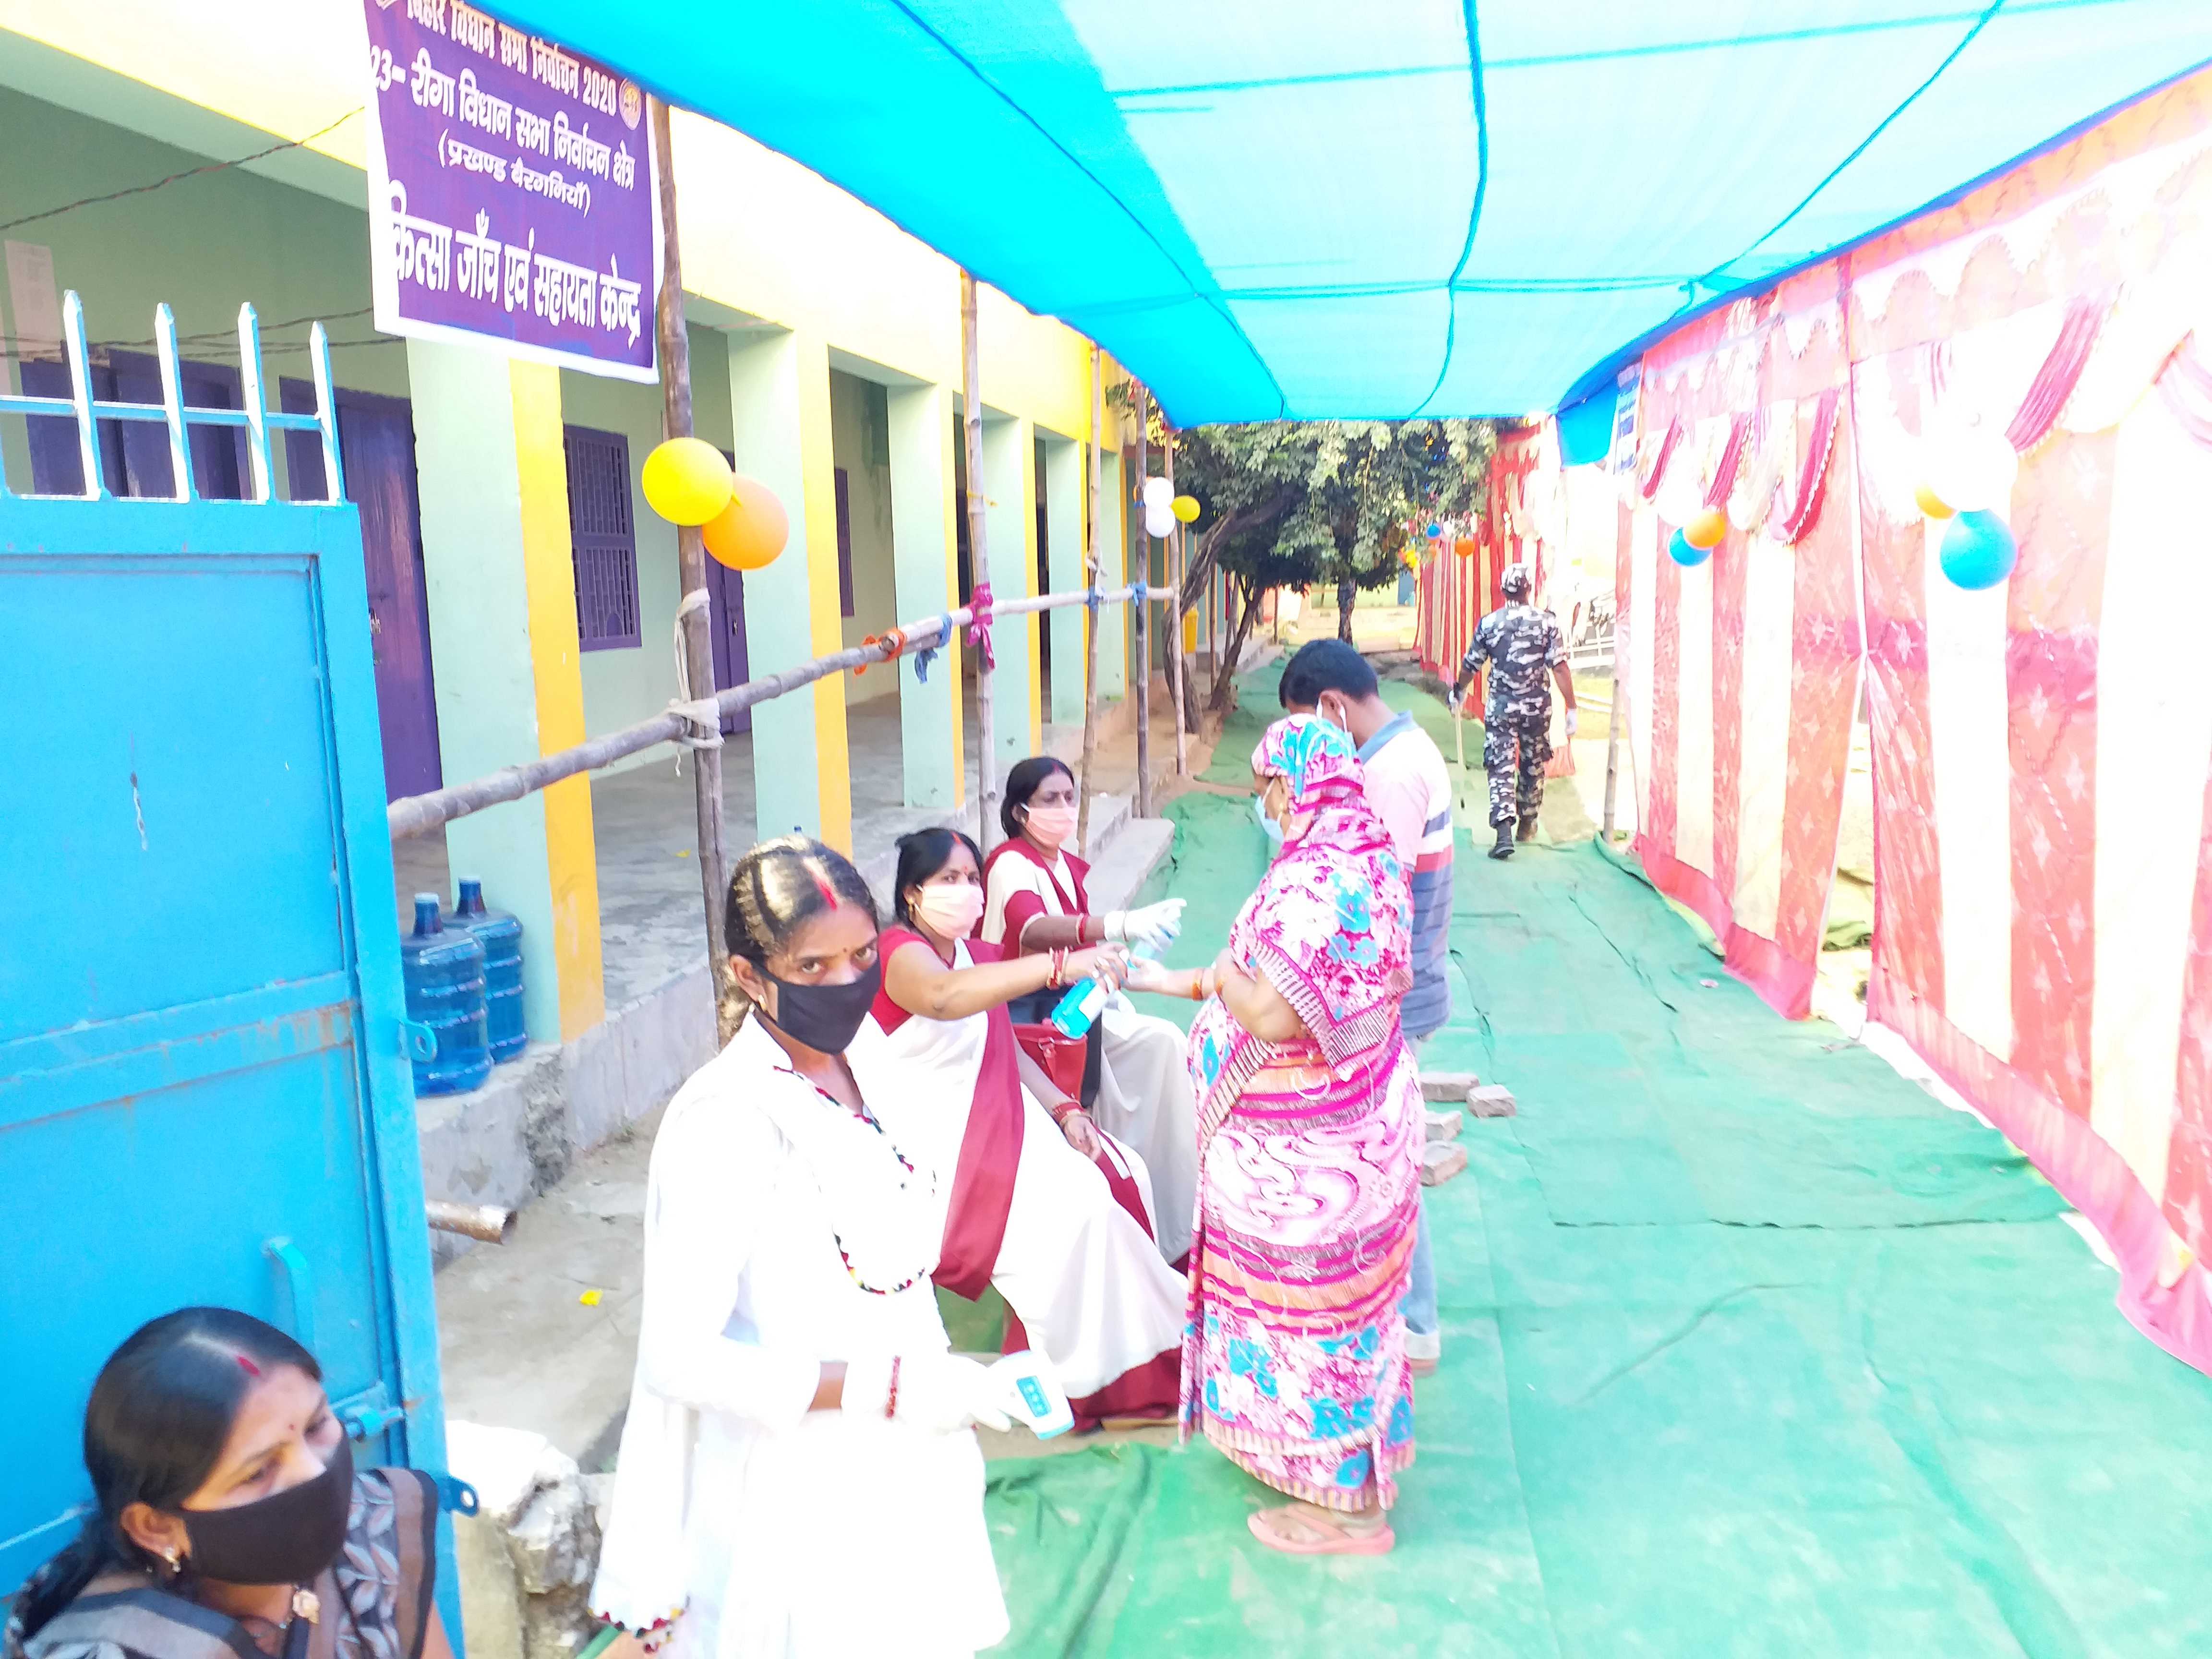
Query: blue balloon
x,y
1683,551
1978,550
1434,530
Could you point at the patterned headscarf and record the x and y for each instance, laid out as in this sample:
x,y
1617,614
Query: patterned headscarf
x,y
1314,756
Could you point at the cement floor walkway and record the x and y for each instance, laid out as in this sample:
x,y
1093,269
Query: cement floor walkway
x,y
1752,1348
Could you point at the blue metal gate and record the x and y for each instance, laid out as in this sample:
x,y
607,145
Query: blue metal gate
x,y
202,1096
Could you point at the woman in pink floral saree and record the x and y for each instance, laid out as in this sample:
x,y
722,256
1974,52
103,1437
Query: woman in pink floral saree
x,y
1310,1129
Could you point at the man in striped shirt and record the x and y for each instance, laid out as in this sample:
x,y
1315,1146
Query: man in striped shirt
x,y
1410,791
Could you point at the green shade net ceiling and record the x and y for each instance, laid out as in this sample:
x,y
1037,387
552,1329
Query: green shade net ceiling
x,y
1308,209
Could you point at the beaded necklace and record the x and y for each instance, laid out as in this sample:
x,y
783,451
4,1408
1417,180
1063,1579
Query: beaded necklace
x,y
843,1254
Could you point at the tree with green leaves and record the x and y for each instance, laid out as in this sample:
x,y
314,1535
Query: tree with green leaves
x,y
1294,503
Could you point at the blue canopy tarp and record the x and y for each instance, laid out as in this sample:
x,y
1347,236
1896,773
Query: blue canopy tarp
x,y
1310,208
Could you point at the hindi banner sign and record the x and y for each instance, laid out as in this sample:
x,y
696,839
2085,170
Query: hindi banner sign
x,y
512,196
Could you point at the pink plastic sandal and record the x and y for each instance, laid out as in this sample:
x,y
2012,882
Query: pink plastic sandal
x,y
1327,1534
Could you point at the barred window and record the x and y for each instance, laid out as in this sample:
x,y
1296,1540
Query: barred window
x,y
602,540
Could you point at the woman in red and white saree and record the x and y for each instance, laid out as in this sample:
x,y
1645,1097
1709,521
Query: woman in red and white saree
x,y
1136,1084
1310,1119
1036,1200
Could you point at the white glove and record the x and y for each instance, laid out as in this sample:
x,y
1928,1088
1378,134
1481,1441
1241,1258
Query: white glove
x,y
1156,925
1570,722
938,1393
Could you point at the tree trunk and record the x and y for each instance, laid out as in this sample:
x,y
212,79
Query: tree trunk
x,y
1347,595
1224,679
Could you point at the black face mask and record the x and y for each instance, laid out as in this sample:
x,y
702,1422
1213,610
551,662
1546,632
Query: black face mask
x,y
287,1538
824,1017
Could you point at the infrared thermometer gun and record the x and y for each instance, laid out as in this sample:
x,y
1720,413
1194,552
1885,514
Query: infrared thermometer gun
x,y
1035,1391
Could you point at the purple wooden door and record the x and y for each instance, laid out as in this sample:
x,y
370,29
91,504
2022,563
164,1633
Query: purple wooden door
x,y
134,455
376,442
726,615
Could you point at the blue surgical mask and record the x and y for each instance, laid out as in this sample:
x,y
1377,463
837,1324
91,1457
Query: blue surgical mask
x,y
1274,830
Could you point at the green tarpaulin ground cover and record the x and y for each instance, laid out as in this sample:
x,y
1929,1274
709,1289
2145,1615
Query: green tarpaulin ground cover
x,y
1751,1348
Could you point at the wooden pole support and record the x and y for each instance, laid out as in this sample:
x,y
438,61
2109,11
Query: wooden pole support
x,y
690,555
1093,521
979,561
1175,612
1144,612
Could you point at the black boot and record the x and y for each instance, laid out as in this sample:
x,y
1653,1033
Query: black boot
x,y
1528,829
1504,847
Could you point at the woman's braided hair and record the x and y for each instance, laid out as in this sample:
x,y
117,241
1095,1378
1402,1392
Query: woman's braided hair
x,y
775,890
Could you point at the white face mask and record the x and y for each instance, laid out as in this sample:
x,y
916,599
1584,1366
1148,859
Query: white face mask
x,y
952,908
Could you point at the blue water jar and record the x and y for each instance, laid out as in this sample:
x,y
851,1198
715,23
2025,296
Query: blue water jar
x,y
444,970
502,936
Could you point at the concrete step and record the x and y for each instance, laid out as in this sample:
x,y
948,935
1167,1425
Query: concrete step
x,y
1110,816
540,1333
1120,872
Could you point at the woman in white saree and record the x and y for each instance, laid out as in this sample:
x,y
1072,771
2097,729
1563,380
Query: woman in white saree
x,y
1035,1199
799,1476
1037,899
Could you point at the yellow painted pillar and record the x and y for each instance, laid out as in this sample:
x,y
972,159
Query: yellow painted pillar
x,y
492,475
780,421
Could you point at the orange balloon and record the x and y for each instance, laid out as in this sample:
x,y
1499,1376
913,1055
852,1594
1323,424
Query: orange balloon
x,y
748,533
1930,504
1707,528
1464,547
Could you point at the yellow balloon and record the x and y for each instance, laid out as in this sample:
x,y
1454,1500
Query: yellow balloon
x,y
1930,504
748,533
687,481
1185,508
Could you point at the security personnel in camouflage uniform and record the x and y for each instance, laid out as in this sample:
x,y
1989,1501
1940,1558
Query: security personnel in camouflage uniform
x,y
1522,645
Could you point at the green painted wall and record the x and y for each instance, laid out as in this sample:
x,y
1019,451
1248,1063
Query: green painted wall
x,y
623,685
860,427
224,238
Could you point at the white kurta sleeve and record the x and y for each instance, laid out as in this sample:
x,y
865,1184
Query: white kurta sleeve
x,y
709,1193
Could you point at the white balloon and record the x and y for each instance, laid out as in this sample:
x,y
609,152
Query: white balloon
x,y
1159,492
1972,468
1159,520
1680,496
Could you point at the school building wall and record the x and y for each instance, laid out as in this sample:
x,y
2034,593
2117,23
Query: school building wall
x,y
824,340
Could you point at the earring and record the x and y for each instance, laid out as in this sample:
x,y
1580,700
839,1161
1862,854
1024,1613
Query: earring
x,y
171,1556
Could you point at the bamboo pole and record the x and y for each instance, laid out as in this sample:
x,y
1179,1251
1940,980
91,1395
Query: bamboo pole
x,y
1092,523
1175,609
416,815
690,556
979,563
1144,612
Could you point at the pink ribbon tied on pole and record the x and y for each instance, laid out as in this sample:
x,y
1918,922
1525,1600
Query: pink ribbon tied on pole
x,y
979,626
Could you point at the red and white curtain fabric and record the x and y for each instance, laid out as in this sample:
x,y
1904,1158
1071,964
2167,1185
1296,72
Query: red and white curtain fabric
x,y
1741,672
2042,749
